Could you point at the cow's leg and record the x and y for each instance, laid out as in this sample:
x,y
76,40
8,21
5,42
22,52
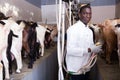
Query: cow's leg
x,y
108,54
9,57
42,47
37,45
103,54
30,65
1,71
118,56
19,64
9,50
119,53
34,53
5,62
18,59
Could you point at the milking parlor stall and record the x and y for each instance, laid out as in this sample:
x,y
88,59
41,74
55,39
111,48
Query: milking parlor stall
x,y
33,38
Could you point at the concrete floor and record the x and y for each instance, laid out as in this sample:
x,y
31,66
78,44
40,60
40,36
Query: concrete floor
x,y
108,72
101,71
25,71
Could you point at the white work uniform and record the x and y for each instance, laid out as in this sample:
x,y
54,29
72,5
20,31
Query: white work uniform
x,y
79,39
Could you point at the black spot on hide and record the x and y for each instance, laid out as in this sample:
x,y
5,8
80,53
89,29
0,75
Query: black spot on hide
x,y
34,25
67,0
118,25
19,21
1,22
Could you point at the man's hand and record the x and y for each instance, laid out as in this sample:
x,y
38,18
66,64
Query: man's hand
x,y
96,49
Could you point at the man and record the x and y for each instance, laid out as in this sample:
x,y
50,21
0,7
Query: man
x,y
80,44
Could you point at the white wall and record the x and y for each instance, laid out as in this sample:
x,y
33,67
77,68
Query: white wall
x,y
118,10
24,9
48,13
100,13
20,9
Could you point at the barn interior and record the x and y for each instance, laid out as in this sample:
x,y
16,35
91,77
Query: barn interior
x,y
44,12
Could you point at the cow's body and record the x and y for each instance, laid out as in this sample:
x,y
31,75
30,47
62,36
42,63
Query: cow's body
x,y
110,44
98,34
41,37
29,42
104,33
16,51
3,42
116,27
110,39
117,31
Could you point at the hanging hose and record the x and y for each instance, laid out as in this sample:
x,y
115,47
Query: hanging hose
x,y
85,68
59,19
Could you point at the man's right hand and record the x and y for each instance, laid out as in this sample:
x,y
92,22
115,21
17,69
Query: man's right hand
x,y
96,49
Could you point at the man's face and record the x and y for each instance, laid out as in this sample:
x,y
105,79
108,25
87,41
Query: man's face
x,y
85,15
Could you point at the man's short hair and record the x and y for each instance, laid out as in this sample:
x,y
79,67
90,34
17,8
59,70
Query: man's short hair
x,y
83,6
